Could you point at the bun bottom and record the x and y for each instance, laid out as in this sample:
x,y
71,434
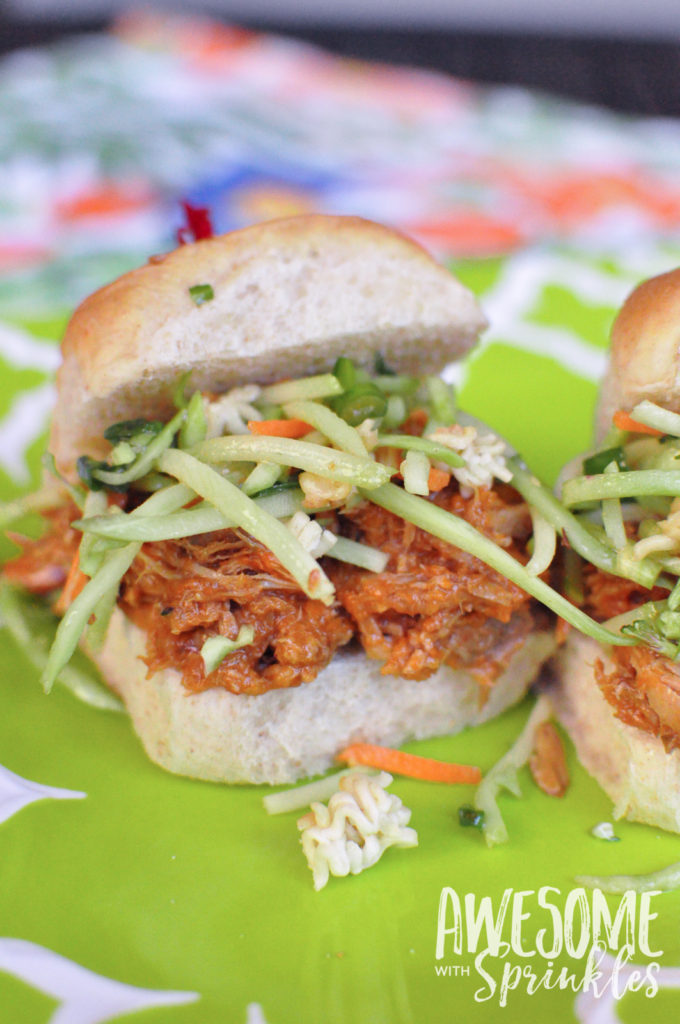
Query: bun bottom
x,y
631,766
284,735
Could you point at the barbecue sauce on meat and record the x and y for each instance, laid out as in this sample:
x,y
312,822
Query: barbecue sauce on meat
x,y
432,605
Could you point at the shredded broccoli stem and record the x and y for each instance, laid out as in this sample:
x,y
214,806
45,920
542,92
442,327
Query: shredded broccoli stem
x,y
436,451
332,426
324,385
612,517
545,544
653,415
457,531
658,881
627,484
415,469
361,471
244,512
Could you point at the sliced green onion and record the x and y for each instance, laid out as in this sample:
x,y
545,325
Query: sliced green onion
x,y
236,505
612,517
442,401
415,469
201,293
436,451
32,626
658,881
628,484
261,478
314,458
454,530
147,457
653,415
598,462
366,557
545,544
324,385
362,402
195,426
503,775
331,425
216,648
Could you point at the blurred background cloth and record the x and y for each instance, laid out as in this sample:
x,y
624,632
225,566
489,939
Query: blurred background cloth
x,y
550,209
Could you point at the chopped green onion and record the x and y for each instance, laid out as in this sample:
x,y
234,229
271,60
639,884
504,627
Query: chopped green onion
x,y
503,775
351,551
470,817
362,402
415,470
147,457
454,530
324,385
138,432
32,627
201,293
332,426
545,544
436,451
656,416
628,484
216,648
346,372
236,505
598,462
314,458
658,881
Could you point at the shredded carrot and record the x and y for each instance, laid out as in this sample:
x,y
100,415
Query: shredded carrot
x,y
437,479
389,760
562,630
279,428
623,421
75,581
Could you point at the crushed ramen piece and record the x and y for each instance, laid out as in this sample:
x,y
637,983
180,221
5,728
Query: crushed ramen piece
x,y
368,433
484,455
320,492
353,831
314,539
230,412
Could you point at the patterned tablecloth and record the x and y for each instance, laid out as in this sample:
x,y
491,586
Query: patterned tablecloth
x,y
183,898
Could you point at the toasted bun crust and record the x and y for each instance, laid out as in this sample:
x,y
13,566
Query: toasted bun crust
x,y
631,765
284,735
644,360
290,296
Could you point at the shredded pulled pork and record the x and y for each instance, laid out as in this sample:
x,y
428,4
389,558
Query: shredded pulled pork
x,y
644,687
182,592
434,604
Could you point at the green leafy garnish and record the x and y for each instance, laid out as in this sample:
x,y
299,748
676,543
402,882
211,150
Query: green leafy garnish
x,y
201,293
470,817
598,462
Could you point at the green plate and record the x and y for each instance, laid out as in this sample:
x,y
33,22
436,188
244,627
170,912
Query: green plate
x,y
161,899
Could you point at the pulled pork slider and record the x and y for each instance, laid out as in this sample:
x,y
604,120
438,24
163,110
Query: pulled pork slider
x,y
621,705
262,565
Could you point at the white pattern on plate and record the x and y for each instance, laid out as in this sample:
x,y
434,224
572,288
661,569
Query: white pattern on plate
x,y
85,997
16,792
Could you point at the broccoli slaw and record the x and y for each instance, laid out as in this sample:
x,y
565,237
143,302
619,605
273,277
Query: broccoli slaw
x,y
255,457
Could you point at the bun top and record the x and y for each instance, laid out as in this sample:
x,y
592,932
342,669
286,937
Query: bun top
x,y
289,297
644,360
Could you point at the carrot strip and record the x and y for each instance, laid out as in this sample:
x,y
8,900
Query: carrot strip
x,y
75,581
389,760
624,421
437,479
280,428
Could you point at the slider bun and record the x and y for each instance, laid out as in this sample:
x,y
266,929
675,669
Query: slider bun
x,y
630,765
644,360
284,735
290,296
